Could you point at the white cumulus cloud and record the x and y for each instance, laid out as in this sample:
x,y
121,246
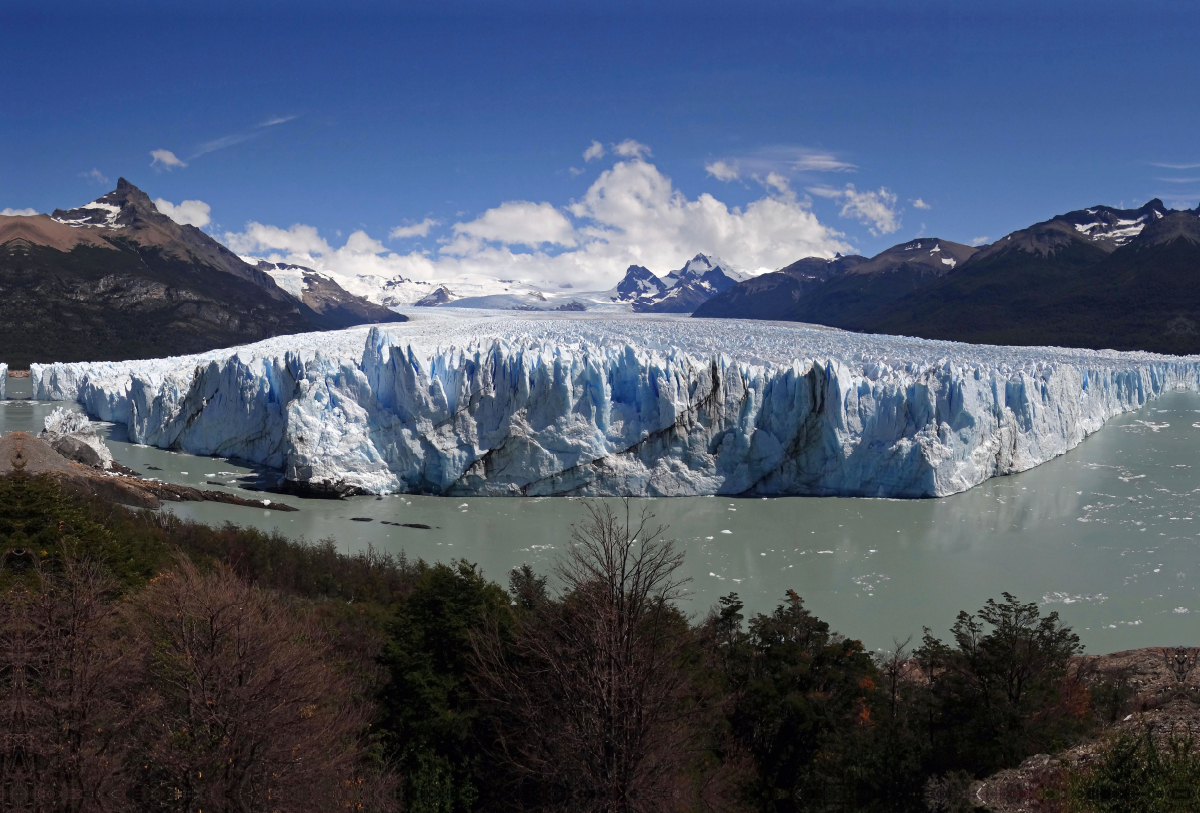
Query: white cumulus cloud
x,y
517,222
631,214
979,241
165,159
416,230
920,204
722,170
187,213
297,241
631,149
18,212
876,209
595,150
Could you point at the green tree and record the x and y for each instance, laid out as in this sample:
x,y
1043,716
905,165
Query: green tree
x,y
803,701
1003,690
431,712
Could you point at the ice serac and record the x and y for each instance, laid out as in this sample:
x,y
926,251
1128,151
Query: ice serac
x,y
3,381
563,405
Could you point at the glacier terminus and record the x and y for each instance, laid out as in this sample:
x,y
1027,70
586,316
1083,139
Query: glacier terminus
x,y
491,403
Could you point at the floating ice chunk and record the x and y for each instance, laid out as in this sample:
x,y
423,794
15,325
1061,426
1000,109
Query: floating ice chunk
x,y
1059,597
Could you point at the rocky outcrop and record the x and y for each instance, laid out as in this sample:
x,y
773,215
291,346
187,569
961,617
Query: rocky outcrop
x,y
1165,700
24,455
72,435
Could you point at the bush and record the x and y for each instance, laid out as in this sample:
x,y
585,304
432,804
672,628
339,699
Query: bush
x,y
1135,774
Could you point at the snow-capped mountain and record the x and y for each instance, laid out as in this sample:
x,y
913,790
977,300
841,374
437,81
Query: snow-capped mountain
x,y
1111,227
702,278
1099,277
638,282
116,278
331,306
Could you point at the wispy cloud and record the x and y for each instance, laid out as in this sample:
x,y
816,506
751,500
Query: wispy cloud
x,y
238,138
876,209
271,122
221,143
780,161
631,149
919,204
415,230
95,175
815,161
165,159
979,241
1179,180
1175,166
18,212
595,150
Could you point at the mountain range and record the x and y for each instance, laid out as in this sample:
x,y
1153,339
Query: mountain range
x,y
117,279
1123,279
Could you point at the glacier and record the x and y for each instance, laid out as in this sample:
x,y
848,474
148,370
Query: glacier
x,y
470,402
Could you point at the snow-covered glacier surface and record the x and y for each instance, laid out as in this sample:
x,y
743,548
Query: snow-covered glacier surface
x,y
497,403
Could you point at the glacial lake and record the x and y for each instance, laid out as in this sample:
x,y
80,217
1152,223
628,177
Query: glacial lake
x,y
1108,535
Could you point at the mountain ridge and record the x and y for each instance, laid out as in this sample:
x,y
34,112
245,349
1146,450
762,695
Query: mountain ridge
x,y
117,279
1100,277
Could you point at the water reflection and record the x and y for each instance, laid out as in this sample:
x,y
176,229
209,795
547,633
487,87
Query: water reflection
x,y
1107,535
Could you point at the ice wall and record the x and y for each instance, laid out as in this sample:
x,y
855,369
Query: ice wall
x,y
555,406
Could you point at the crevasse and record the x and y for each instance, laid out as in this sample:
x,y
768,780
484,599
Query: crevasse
x,y
509,405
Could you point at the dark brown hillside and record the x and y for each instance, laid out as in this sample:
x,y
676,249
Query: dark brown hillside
x,y
775,295
1144,295
117,279
94,303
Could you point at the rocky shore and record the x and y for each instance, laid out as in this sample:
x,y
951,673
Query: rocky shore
x,y
1162,689
23,454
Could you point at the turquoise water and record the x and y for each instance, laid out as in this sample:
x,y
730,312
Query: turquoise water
x,y
1108,535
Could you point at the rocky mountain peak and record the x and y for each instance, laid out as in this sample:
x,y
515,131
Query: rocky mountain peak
x,y
1182,225
120,208
638,281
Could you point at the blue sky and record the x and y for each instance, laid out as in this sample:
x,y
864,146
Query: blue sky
x,y
751,130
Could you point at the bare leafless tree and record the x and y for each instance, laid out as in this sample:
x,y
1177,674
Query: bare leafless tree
x,y
895,666
256,715
599,714
72,696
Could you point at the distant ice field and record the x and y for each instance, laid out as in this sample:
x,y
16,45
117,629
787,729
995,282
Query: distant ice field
x,y
751,341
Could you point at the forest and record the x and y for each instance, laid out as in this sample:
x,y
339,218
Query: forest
x,y
153,664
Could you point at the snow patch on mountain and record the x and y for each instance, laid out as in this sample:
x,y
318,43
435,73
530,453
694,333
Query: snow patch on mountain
x,y
96,213
492,403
